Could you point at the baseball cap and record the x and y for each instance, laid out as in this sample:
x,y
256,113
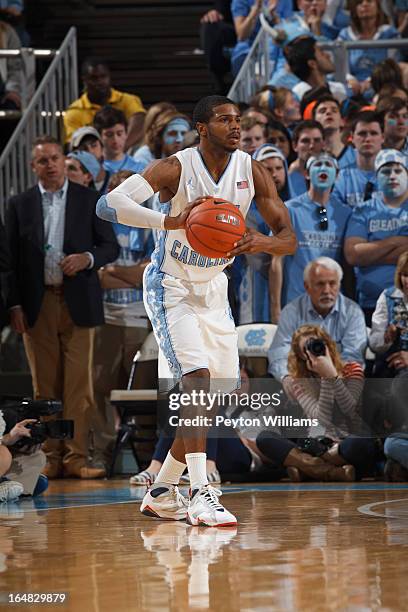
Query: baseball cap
x,y
389,156
267,151
321,157
89,162
80,133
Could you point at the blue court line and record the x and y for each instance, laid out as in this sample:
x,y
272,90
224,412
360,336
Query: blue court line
x,y
127,495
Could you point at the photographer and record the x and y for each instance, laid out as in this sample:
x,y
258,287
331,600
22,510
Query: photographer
x,y
24,461
9,490
330,391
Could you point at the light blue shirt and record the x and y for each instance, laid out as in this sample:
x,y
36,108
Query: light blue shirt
x,y
313,241
126,163
375,221
144,156
345,324
351,185
53,206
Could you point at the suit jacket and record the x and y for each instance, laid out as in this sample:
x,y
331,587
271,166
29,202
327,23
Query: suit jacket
x,y
84,231
4,274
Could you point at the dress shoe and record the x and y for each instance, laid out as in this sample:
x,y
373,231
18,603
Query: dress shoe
x,y
52,471
84,472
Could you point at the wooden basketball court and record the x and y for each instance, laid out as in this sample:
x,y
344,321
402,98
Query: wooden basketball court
x,y
297,547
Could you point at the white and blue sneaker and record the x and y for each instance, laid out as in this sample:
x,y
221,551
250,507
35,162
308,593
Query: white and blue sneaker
x,y
205,509
10,490
164,501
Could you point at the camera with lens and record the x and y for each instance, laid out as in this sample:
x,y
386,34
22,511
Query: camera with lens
x,y
316,346
14,411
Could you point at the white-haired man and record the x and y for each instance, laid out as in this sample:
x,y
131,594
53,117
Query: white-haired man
x,y
323,305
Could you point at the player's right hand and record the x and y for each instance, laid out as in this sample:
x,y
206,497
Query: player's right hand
x,y
173,223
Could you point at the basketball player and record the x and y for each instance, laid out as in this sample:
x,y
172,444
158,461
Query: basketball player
x,y
185,293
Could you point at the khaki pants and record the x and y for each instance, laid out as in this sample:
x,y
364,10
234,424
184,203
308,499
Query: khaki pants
x,y
115,347
60,357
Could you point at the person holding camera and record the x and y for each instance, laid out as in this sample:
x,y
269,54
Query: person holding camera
x,y
9,490
26,460
330,390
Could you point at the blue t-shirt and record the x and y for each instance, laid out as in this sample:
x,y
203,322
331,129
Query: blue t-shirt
x,y
347,157
312,241
372,221
298,183
351,186
362,61
126,163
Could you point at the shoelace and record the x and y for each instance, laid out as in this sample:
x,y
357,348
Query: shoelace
x,y
179,497
211,496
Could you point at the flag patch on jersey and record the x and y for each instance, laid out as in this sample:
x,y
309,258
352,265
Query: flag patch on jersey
x,y
242,185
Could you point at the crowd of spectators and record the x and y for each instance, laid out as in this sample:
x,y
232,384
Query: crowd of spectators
x,y
337,153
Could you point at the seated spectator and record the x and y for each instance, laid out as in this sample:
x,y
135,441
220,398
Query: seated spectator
x,y
143,154
377,232
395,111
312,65
11,11
319,221
280,103
9,490
251,272
253,135
327,112
357,183
313,15
384,75
323,305
126,325
396,452
11,70
329,390
368,22
274,160
246,21
164,136
280,137
82,167
112,126
88,139
98,93
27,461
217,33
308,141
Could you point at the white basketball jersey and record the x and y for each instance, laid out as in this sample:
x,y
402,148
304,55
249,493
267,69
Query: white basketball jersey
x,y
174,255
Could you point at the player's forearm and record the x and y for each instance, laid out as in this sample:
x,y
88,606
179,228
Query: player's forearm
x,y
275,287
283,243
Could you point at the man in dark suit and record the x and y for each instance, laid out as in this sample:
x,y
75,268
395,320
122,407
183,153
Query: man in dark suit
x,y
4,271
57,244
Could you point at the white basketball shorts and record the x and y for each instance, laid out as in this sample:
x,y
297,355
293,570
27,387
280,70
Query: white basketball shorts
x,y
193,324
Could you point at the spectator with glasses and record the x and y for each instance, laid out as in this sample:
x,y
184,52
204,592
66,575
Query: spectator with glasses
x,y
319,221
322,305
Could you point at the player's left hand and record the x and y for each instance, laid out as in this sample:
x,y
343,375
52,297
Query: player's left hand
x,y
251,242
71,264
398,360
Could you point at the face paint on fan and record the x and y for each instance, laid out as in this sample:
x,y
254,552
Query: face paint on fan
x,y
175,131
322,175
392,180
392,122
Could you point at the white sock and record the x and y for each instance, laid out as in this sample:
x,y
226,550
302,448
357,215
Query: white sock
x,y
171,471
197,468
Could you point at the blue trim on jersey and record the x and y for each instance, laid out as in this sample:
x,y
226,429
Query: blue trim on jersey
x,y
104,211
156,301
209,173
159,253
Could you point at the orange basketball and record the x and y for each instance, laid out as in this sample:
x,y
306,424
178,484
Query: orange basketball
x,y
214,226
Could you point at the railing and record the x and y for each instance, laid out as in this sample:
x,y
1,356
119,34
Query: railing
x,y
257,69
43,115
